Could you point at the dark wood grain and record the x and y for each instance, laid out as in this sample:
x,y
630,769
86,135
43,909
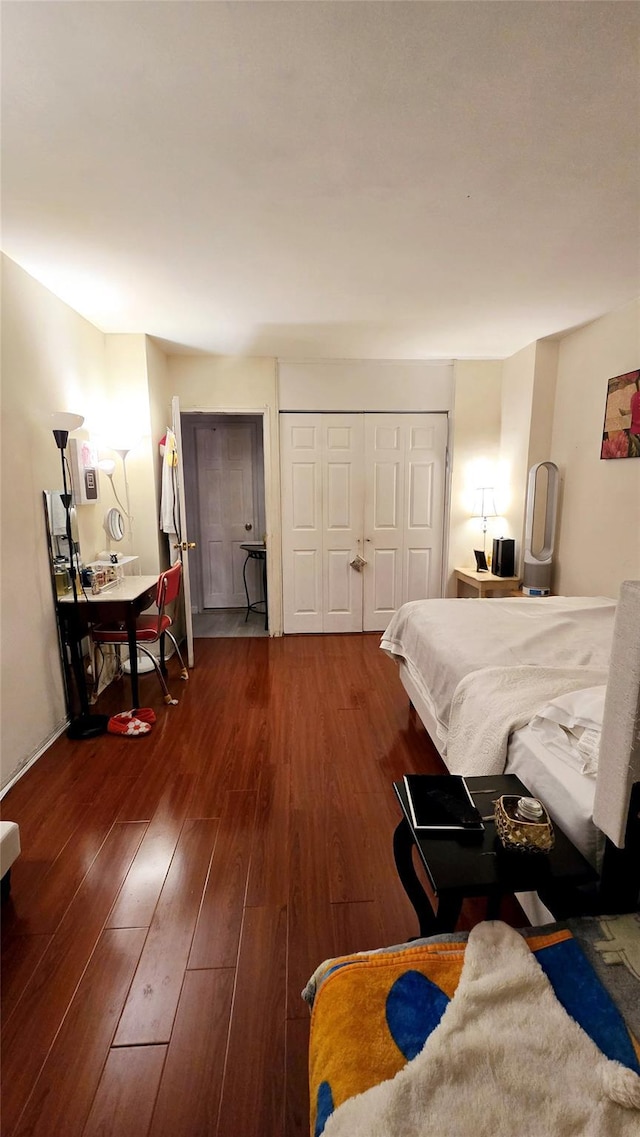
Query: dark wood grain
x,y
61,1099
244,840
189,1097
253,1092
37,1017
151,1005
124,1100
215,943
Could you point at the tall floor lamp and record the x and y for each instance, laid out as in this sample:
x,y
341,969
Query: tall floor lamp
x,y
84,724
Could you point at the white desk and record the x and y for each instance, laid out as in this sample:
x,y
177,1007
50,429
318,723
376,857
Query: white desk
x,y
122,600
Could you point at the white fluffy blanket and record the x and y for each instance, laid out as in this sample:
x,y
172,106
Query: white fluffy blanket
x,y
506,1059
488,705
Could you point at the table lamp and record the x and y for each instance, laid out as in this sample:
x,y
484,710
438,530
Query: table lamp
x,y
483,506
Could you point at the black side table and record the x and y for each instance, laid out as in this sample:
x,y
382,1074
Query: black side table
x,y
256,552
479,865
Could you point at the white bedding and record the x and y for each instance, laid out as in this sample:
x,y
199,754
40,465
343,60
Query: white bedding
x,y
442,641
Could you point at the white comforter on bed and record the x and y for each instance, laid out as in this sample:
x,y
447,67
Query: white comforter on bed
x,y
443,641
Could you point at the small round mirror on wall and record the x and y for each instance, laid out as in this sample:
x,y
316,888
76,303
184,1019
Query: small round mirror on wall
x,y
114,524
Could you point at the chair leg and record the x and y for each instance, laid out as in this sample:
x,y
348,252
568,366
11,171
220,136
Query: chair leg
x,y
165,689
184,674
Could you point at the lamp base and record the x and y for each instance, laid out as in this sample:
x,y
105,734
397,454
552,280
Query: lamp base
x,y
87,726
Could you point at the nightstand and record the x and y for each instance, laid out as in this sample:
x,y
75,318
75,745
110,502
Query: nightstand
x,y
485,583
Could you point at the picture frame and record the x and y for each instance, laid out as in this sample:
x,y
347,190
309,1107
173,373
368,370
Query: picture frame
x,y
621,429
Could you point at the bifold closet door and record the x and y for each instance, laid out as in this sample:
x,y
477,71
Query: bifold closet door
x,y
405,459
322,521
360,484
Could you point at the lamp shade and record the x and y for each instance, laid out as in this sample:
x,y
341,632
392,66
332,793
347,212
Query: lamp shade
x,y
483,503
64,420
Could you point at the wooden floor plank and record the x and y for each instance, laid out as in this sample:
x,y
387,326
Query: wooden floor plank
x,y
268,882
215,943
253,1092
20,957
31,1029
126,1095
296,1122
310,927
189,1098
139,895
151,1006
61,1099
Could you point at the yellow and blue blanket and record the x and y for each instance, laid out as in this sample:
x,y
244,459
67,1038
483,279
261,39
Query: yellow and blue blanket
x,y
373,1012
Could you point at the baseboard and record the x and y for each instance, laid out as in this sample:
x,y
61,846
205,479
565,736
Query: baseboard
x,y
34,757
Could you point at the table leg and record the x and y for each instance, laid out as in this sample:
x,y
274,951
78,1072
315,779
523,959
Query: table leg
x,y
246,589
133,659
402,853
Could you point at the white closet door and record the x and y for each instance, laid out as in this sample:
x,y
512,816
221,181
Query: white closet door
x,y
302,525
343,515
405,459
322,518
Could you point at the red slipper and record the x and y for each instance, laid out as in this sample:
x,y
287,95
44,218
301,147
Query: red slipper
x,y
125,724
143,714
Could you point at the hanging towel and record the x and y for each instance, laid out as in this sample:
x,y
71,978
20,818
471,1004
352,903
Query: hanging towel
x,y
169,502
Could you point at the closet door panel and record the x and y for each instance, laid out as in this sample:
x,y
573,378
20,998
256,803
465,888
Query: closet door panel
x,y
405,459
343,492
302,522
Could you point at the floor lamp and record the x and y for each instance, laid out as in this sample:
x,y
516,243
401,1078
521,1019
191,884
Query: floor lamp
x,y
84,724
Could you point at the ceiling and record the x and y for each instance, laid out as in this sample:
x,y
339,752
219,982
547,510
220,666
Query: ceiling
x,y
341,179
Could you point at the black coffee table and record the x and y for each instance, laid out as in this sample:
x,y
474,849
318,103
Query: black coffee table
x,y
478,864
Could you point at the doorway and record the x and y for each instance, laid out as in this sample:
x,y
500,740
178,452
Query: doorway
x,y
223,458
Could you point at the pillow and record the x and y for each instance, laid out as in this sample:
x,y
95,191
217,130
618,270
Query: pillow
x,y
583,708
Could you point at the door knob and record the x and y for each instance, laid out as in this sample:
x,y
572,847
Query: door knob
x,y
184,545
248,526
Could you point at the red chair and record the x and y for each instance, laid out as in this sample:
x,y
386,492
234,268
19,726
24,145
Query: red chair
x,y
150,629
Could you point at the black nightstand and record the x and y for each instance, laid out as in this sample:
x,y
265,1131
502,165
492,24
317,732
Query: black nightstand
x,y
479,865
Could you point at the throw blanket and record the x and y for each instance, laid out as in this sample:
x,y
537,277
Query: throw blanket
x,y
488,705
505,1058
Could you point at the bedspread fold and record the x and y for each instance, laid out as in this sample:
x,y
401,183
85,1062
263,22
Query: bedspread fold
x,y
477,740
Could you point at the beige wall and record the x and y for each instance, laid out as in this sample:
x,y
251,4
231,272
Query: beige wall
x,y
475,441
518,380
52,360
599,527
236,383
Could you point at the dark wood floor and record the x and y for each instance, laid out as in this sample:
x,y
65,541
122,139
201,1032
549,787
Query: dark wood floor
x,y
176,891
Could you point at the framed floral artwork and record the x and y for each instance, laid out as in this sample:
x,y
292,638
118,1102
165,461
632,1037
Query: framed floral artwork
x,y
621,431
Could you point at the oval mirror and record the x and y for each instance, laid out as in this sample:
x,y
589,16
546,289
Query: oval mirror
x,y
114,524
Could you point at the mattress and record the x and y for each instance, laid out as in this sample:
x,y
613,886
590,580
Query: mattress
x,y
442,641
567,794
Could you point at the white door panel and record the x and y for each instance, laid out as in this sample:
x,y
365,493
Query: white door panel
x,y
183,554
225,464
301,459
404,515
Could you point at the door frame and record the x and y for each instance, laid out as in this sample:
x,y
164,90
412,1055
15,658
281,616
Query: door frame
x,y
271,500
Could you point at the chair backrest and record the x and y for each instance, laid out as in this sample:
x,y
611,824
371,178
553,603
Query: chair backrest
x,y
168,587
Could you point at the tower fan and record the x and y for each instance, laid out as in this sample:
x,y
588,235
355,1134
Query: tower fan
x,y
540,528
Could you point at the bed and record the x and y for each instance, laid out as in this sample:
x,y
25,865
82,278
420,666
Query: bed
x,y
488,1032
522,685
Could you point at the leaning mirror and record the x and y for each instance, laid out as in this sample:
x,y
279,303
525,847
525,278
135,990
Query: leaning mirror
x,y
114,524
